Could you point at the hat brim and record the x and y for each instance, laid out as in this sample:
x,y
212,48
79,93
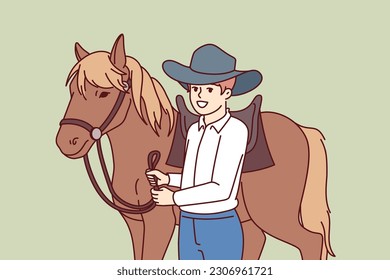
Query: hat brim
x,y
245,80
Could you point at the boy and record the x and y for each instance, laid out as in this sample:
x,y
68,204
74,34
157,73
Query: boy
x,y
215,151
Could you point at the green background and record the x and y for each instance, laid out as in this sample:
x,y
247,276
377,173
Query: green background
x,y
325,64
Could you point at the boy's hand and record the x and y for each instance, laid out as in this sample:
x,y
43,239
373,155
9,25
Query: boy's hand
x,y
162,178
163,196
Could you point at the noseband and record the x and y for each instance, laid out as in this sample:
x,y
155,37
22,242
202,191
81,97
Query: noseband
x,y
96,133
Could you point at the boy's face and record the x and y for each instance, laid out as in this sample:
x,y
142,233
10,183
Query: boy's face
x,y
207,99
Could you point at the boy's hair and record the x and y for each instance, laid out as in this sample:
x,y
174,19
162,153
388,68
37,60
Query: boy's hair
x,y
227,84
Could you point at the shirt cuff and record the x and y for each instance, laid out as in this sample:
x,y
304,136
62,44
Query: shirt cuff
x,y
177,198
174,179
174,198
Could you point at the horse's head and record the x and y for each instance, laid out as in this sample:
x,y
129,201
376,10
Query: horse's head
x,y
95,85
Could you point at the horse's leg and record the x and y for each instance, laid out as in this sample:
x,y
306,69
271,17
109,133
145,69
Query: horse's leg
x,y
283,225
254,237
273,203
159,228
136,228
254,240
308,243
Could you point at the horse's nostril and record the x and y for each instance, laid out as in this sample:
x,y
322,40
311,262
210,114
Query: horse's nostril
x,y
73,141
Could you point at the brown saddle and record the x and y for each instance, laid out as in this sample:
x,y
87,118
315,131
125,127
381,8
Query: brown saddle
x,y
257,155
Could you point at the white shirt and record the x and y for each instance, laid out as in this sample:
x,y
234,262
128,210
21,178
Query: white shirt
x,y
212,168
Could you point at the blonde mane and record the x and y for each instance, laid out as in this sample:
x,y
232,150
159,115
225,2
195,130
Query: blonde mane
x,y
149,97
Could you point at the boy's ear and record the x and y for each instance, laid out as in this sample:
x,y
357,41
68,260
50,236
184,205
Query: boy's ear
x,y
227,93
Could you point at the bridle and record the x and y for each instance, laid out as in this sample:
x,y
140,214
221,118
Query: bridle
x,y
96,133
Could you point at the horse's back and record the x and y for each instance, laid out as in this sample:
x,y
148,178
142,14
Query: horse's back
x,y
285,139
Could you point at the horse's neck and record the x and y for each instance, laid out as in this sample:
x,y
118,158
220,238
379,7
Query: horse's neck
x,y
131,143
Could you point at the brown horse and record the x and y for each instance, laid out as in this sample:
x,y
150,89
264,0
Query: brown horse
x,y
287,201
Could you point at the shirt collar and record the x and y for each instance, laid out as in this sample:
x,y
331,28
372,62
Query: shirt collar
x,y
217,125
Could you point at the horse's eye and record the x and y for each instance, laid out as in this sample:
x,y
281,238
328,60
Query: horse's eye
x,y
103,94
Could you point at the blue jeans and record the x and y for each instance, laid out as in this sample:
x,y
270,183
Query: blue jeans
x,y
210,236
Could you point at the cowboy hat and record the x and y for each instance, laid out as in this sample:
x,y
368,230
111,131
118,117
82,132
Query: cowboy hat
x,y
209,65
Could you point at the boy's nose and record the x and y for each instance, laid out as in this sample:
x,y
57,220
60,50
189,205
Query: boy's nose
x,y
200,91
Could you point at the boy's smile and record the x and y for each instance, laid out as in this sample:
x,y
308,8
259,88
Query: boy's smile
x,y
202,104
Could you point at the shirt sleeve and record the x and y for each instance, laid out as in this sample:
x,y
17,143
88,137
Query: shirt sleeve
x,y
227,170
174,179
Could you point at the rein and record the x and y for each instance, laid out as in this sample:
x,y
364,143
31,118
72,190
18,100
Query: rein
x,y
96,134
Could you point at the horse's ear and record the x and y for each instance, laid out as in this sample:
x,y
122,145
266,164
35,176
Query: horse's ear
x,y
79,51
118,55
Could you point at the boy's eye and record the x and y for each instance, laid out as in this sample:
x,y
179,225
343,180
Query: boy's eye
x,y
195,89
210,89
103,94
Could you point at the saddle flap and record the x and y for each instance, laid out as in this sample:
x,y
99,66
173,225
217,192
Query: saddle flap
x,y
250,117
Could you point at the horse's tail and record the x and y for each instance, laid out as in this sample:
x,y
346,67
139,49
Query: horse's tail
x,y
315,213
